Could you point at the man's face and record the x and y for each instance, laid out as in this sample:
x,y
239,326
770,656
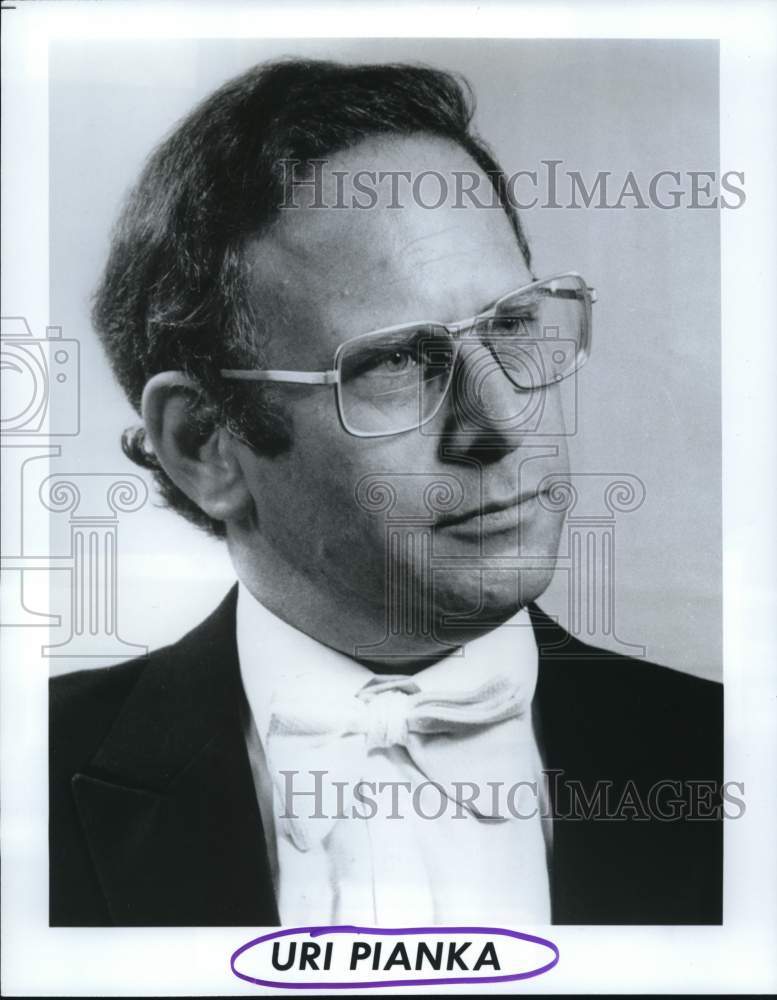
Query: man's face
x,y
358,521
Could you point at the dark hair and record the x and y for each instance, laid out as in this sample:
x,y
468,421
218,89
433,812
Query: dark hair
x,y
172,295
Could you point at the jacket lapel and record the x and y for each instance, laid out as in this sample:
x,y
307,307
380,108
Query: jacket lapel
x,y
168,803
573,731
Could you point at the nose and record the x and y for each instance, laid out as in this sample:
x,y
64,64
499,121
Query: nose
x,y
486,416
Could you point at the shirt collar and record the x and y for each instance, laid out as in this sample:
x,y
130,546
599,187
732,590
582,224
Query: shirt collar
x,y
276,658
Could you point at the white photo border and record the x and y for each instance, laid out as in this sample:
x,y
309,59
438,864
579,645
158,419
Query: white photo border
x,y
737,957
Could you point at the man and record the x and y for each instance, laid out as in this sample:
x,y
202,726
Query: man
x,y
362,392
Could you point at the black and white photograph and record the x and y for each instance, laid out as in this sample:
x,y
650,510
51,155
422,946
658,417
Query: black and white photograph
x,y
380,607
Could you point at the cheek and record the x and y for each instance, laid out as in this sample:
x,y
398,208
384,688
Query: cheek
x,y
353,487
321,486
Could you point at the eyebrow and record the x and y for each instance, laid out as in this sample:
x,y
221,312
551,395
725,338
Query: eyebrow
x,y
333,333
491,305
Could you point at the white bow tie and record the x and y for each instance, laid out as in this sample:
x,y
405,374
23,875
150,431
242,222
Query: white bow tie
x,y
464,737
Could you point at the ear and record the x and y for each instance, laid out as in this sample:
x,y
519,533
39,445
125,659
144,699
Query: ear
x,y
195,452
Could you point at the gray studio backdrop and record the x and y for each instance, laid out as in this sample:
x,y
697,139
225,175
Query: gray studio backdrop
x,y
649,399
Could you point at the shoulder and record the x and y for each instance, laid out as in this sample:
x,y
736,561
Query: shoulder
x,y
85,704
616,701
676,714
630,679
593,668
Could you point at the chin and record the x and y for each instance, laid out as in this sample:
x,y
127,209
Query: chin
x,y
487,596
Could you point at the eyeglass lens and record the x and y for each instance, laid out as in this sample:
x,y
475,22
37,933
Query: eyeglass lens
x,y
396,380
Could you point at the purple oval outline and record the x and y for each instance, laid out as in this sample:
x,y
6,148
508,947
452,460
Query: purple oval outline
x,y
320,931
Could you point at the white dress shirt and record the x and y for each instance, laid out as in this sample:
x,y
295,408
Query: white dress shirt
x,y
387,871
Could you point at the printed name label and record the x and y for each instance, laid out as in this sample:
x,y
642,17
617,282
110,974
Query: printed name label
x,y
348,957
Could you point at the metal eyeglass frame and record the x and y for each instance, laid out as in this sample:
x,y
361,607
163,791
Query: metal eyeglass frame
x,y
332,377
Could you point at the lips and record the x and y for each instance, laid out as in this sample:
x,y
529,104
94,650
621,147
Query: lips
x,y
494,513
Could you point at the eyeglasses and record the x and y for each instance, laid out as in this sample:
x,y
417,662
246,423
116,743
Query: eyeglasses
x,y
393,380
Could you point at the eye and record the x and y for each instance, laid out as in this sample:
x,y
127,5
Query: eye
x,y
515,325
399,361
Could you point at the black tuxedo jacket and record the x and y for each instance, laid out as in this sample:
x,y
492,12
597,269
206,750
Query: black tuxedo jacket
x,y
154,818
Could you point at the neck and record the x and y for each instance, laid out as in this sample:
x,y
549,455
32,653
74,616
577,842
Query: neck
x,y
346,620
